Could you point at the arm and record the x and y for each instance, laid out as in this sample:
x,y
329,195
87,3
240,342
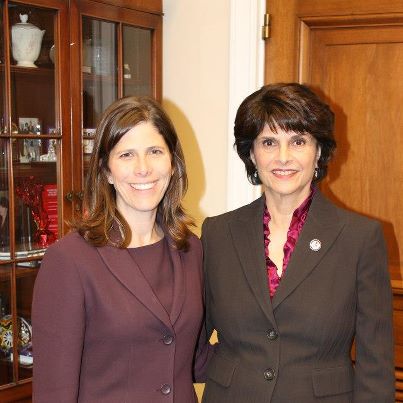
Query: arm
x,y
58,317
205,349
374,370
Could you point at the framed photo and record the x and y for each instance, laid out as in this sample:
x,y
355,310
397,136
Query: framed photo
x,y
29,125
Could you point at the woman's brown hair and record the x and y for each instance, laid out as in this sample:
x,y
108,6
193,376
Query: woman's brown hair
x,y
101,220
291,107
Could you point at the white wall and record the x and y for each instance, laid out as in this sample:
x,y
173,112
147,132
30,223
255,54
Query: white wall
x,y
213,59
195,95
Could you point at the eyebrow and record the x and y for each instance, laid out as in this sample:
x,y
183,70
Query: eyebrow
x,y
276,136
119,150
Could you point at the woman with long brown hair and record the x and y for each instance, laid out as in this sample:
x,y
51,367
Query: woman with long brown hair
x,y
118,302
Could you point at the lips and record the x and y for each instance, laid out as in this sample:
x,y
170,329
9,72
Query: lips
x,y
284,172
143,186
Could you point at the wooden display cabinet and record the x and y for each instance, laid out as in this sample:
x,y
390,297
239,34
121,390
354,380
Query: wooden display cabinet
x,y
91,53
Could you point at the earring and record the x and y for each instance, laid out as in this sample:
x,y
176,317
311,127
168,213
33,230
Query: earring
x,y
316,173
255,175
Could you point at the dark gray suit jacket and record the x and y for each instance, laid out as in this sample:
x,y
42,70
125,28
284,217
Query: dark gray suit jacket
x,y
296,347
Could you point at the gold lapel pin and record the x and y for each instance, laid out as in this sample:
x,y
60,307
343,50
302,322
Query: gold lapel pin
x,y
315,245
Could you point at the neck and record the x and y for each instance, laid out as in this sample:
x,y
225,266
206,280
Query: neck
x,y
282,207
144,229
146,238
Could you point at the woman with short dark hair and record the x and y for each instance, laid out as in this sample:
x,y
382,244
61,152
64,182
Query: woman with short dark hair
x,y
291,279
118,303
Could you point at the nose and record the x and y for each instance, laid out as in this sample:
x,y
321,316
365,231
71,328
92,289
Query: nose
x,y
283,155
142,167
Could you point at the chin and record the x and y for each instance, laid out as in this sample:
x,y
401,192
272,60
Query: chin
x,y
288,190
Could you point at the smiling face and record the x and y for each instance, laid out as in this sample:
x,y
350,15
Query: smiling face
x,y
140,169
285,162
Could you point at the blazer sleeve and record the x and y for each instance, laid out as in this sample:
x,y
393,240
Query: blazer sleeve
x,y
374,368
58,318
205,349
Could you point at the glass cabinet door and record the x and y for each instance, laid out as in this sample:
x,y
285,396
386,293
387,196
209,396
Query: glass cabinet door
x,y
30,144
6,339
137,66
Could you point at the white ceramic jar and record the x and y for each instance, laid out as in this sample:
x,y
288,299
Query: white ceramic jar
x,y
26,40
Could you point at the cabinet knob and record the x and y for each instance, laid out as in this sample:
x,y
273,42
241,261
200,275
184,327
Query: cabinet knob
x,y
80,195
70,196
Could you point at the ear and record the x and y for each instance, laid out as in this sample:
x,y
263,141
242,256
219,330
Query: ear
x,y
109,178
318,154
252,156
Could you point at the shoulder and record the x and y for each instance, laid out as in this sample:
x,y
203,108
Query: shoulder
x,y
195,246
72,239
62,263
351,218
69,248
355,228
241,213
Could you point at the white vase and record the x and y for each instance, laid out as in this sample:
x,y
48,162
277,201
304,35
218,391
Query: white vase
x,y
26,40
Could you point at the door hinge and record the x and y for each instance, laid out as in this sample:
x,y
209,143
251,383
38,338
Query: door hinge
x,y
266,27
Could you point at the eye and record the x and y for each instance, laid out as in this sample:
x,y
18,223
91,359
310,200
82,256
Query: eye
x,y
156,151
299,141
125,155
268,142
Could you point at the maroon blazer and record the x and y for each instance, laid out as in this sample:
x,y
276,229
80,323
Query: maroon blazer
x,y
100,334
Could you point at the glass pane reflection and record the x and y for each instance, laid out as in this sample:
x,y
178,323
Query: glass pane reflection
x,y
4,199
6,350
32,68
136,61
2,73
99,58
25,279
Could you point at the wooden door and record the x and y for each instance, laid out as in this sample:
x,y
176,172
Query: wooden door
x,y
351,52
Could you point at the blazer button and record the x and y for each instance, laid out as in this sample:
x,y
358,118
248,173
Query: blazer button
x,y
166,389
269,374
168,339
272,334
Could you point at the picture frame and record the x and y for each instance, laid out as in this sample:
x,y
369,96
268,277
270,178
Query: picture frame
x,y
29,125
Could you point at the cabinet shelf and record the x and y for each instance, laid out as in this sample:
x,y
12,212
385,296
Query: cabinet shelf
x,y
105,78
5,272
44,171
34,71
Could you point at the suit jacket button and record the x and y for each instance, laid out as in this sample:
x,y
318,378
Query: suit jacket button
x,y
168,339
272,334
166,389
269,374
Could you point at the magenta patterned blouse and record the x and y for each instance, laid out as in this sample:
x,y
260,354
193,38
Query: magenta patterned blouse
x,y
297,222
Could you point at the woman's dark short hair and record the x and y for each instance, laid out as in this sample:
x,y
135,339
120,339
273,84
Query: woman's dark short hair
x,y
291,107
100,212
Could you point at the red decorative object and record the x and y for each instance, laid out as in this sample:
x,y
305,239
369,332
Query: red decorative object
x,y
30,193
49,202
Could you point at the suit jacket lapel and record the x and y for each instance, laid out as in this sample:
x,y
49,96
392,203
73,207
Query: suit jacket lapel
x,y
323,224
125,269
247,235
178,298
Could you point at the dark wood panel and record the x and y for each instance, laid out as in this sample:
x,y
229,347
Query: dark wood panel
x,y
18,394
151,6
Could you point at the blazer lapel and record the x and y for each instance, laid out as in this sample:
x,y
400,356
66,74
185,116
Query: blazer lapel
x,y
125,269
247,235
179,282
323,224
